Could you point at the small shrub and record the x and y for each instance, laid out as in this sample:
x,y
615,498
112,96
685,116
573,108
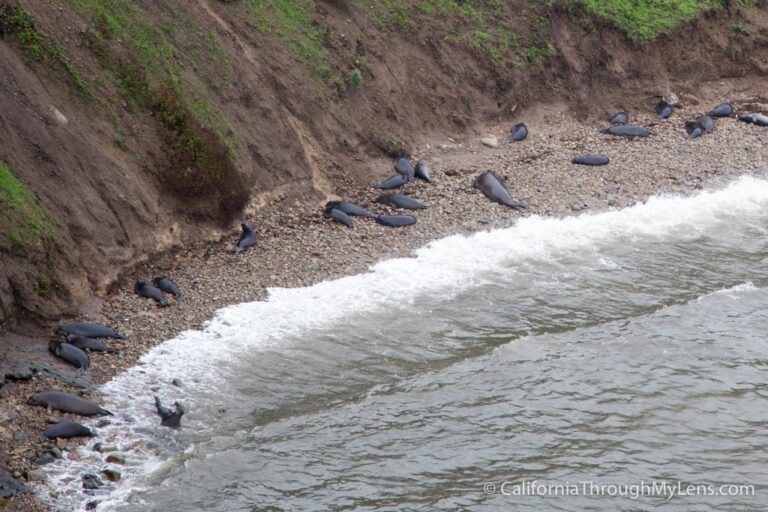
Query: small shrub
x,y
355,79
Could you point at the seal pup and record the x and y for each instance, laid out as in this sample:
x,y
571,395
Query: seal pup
x,y
70,354
404,167
340,217
348,208
492,185
67,402
169,418
619,118
590,160
91,344
396,181
627,131
707,123
422,172
247,238
401,201
722,110
694,129
663,109
89,330
150,292
66,429
519,132
168,286
396,221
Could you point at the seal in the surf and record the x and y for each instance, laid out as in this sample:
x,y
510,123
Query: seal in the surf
x,y
169,418
627,131
66,402
165,284
401,201
150,292
66,429
70,354
492,185
247,238
89,330
590,160
519,132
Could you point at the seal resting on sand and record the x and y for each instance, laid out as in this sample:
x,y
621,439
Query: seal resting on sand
x,y
519,132
89,330
67,402
66,429
492,185
247,238
70,354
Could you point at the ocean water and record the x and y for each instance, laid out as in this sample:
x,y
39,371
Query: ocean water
x,y
614,361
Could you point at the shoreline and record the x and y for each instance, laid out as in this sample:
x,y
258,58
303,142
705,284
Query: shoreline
x,y
298,248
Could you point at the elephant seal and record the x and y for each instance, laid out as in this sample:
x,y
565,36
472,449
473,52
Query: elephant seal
x,y
169,418
70,354
396,221
694,129
619,118
91,344
348,208
168,286
404,167
66,429
590,160
150,292
663,109
519,132
755,118
401,201
722,110
492,185
396,181
247,238
707,123
67,402
340,217
422,172
627,131
89,330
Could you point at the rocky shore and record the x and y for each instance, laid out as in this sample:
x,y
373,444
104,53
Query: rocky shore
x,y
298,247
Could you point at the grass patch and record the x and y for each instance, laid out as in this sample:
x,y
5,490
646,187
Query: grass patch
x,y
644,20
20,214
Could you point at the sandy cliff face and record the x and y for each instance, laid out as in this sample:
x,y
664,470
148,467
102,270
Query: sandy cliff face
x,y
138,126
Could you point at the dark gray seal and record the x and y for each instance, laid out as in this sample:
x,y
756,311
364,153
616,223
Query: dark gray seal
x,y
67,402
247,238
722,110
755,118
492,185
707,123
66,429
70,354
169,418
165,284
663,109
348,208
694,129
619,118
404,167
396,221
150,292
519,132
422,172
340,217
627,131
590,160
401,201
89,330
396,181
91,344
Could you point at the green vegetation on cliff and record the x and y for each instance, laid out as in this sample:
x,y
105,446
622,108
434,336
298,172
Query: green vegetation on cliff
x,y
21,218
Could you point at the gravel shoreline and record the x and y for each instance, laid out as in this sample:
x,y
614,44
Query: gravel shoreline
x,y
298,247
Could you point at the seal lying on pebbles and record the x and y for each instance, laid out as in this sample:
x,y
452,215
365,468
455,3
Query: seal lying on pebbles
x,y
401,201
67,402
247,238
169,418
396,181
404,167
70,354
663,109
89,330
396,221
519,132
707,123
758,119
722,110
492,185
619,118
422,172
150,292
66,429
168,286
91,344
590,160
348,208
694,129
340,217
627,131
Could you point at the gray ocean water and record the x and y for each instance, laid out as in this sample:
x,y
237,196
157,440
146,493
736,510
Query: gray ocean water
x,y
606,362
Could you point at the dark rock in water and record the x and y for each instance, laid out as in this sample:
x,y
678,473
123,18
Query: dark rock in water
x,y
103,423
115,458
722,110
619,118
176,382
91,481
20,437
519,132
112,474
10,486
664,109
627,131
91,505
590,160
44,459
